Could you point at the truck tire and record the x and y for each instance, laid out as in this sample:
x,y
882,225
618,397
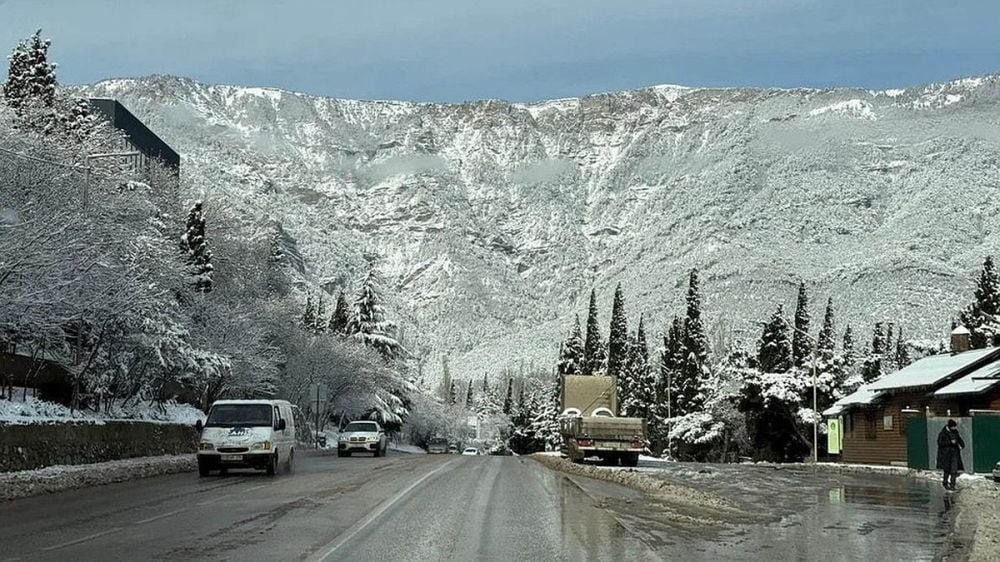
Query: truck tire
x,y
630,459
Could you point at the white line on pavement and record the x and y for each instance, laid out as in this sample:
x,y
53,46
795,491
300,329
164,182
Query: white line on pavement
x,y
84,539
331,547
160,516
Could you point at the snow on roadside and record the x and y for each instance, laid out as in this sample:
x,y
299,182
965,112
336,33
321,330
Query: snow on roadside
x,y
32,410
411,449
58,478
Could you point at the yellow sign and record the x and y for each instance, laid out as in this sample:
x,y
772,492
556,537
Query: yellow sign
x,y
834,436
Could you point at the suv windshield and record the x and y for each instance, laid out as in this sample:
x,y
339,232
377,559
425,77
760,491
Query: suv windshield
x,y
361,426
231,415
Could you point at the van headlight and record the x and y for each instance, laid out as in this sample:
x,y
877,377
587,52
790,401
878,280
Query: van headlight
x,y
206,446
261,445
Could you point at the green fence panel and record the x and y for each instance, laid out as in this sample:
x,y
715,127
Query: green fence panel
x,y
986,436
917,454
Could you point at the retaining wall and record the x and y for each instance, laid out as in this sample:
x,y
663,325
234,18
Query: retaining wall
x,y
26,447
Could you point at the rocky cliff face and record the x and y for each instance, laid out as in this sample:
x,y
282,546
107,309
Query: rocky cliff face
x,y
493,220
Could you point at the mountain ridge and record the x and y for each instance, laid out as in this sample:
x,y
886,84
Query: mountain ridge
x,y
494,219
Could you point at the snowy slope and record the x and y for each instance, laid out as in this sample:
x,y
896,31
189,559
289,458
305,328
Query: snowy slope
x,y
494,219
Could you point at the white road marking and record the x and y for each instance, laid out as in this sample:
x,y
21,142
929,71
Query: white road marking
x,y
331,547
160,516
84,539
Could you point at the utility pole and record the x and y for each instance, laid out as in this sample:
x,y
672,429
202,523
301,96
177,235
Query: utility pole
x,y
815,412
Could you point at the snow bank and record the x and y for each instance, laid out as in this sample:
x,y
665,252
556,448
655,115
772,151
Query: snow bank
x,y
411,449
51,479
30,410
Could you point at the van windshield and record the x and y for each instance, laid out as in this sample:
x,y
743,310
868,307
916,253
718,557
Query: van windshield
x,y
361,426
232,415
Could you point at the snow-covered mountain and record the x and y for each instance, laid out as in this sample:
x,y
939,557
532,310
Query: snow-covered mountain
x,y
494,219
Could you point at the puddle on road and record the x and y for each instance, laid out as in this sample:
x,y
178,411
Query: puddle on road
x,y
803,515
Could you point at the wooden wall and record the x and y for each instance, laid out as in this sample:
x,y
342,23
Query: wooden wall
x,y
866,439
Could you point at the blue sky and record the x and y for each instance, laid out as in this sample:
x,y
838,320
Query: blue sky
x,y
447,50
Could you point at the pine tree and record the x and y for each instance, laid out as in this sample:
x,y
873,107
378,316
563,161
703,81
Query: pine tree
x,y
594,357
873,366
641,382
320,323
367,323
850,359
195,246
695,340
693,359
801,346
618,336
889,357
309,316
31,79
508,397
486,385
825,341
774,350
341,315
671,361
452,396
571,354
468,395
902,351
982,317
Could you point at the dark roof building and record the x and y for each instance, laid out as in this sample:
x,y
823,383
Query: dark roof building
x,y
137,134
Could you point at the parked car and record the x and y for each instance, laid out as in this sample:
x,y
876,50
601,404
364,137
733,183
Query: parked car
x,y
362,437
470,451
256,434
452,449
996,472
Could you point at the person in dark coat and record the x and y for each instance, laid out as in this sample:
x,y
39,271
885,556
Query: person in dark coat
x,y
949,454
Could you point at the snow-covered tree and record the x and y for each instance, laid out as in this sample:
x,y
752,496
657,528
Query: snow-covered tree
x,y
982,317
873,366
508,401
641,398
774,351
195,246
468,396
594,353
368,324
695,339
847,347
618,336
309,315
31,79
571,355
902,351
341,315
801,345
321,321
825,341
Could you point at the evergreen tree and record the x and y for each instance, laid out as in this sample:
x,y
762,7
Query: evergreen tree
x,y
618,336
341,315
594,357
309,316
850,359
368,324
902,351
31,79
321,321
508,397
774,350
825,341
195,246
982,317
452,396
873,366
486,385
889,357
695,340
801,346
468,395
671,361
642,384
572,354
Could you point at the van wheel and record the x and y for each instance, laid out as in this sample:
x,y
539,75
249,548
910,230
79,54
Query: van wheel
x,y
272,465
291,459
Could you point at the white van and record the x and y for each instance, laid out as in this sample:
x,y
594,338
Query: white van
x,y
247,434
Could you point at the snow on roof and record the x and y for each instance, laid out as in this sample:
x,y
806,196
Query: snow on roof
x,y
861,396
931,370
960,330
980,380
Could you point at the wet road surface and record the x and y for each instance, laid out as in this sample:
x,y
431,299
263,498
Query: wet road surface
x,y
404,507
804,514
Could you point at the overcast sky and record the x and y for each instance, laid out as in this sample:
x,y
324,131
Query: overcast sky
x,y
445,50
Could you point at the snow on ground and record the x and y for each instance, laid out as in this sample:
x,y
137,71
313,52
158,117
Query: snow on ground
x,y
29,409
412,449
67,477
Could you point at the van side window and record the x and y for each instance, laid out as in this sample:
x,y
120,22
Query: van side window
x,y
277,416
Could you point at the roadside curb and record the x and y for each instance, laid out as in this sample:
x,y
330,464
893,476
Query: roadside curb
x,y
26,483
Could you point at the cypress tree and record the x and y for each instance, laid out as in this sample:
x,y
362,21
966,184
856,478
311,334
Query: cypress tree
x,y
452,397
508,398
320,323
874,366
594,351
195,246
801,346
902,352
695,340
309,316
825,341
341,315
618,336
671,361
848,348
468,394
486,385
774,350
641,382
982,317
572,353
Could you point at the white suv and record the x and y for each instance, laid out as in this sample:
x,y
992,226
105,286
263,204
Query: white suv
x,y
362,437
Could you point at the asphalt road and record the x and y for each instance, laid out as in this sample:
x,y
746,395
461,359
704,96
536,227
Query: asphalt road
x,y
403,507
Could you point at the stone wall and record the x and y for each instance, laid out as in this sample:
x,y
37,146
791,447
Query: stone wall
x,y
25,447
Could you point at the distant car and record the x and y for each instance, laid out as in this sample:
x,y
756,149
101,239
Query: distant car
x,y
996,472
452,449
362,437
471,451
437,446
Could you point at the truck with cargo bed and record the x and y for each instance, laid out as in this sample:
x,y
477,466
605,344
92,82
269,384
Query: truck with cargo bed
x,y
590,426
